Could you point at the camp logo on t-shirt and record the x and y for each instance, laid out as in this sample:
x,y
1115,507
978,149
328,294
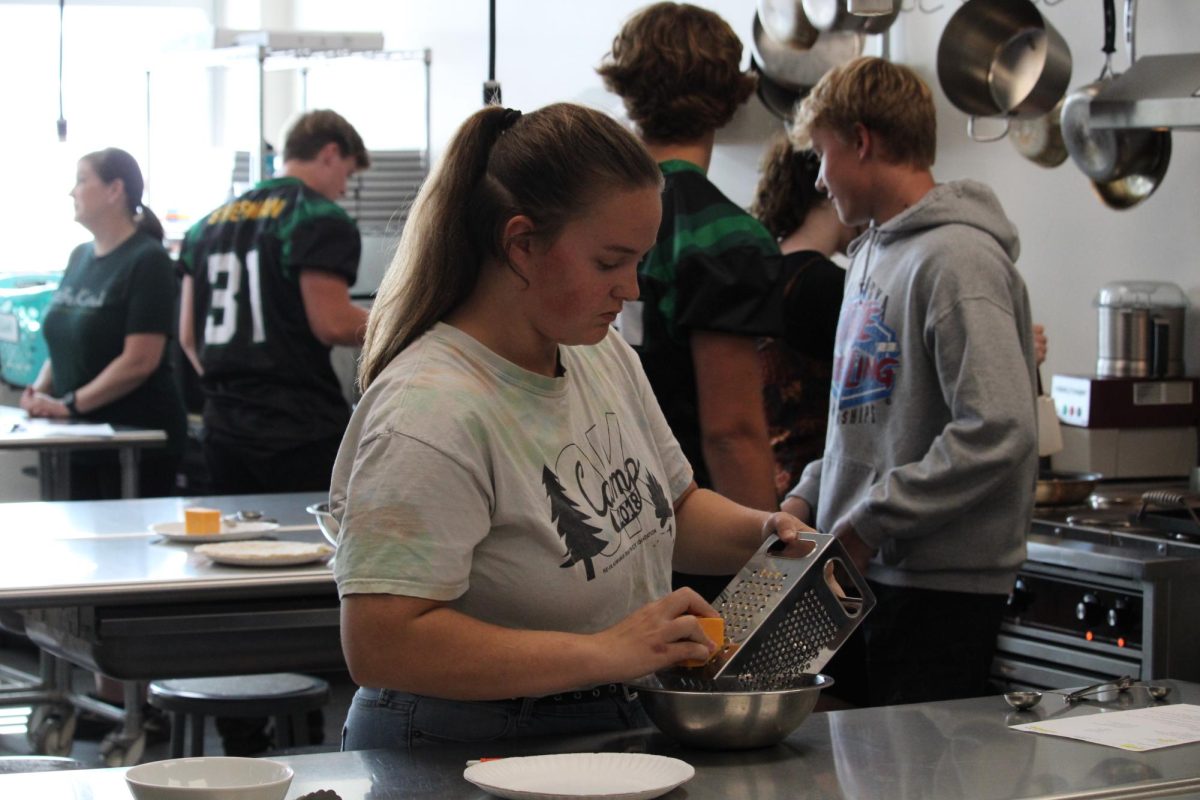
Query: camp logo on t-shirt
x,y
602,501
866,358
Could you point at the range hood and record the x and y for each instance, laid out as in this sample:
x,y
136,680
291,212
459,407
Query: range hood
x,y
1156,92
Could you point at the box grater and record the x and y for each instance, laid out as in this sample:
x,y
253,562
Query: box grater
x,y
786,615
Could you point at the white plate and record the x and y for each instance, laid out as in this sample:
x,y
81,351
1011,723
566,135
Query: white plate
x,y
230,532
568,776
265,554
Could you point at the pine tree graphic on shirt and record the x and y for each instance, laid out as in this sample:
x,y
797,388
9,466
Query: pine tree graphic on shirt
x,y
573,527
662,507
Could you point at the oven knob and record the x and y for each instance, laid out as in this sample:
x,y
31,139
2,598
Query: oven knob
x,y
1020,599
1088,610
1119,616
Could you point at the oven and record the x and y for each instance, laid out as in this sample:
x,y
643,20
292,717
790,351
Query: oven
x,y
1109,588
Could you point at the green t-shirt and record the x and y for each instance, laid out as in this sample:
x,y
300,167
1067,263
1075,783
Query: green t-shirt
x,y
100,301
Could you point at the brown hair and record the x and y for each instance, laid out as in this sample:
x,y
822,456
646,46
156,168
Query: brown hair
x,y
787,187
677,67
315,129
888,99
113,163
549,165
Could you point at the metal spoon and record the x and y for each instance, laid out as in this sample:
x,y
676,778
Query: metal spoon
x,y
1158,693
1024,699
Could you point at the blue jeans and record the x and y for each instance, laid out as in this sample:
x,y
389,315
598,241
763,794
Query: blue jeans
x,y
402,721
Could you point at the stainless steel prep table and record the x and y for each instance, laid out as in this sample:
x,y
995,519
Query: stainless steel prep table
x,y
90,584
54,474
93,585
932,751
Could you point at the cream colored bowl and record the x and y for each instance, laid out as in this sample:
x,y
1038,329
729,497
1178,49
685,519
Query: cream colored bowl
x,y
210,778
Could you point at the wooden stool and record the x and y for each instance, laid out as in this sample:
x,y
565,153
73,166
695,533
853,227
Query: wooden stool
x,y
285,696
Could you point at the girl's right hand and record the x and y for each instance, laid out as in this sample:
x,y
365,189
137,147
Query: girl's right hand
x,y
656,636
27,397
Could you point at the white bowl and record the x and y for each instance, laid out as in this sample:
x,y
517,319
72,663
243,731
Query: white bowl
x,y
210,778
325,521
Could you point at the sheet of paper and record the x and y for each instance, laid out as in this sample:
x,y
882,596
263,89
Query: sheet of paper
x,y
1138,730
48,428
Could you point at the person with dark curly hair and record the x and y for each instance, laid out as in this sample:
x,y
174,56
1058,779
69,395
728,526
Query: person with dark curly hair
x,y
798,366
709,286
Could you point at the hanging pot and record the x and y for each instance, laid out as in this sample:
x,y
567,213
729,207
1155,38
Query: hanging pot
x,y
1040,139
785,22
833,15
1128,191
1125,165
799,70
1002,58
779,100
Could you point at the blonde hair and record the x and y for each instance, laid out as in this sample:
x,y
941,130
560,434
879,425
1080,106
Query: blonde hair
x,y
678,69
888,99
549,165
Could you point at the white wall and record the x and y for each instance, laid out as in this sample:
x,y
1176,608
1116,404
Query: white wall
x,y
547,50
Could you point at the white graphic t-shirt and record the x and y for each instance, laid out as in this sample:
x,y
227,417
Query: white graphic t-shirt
x,y
525,501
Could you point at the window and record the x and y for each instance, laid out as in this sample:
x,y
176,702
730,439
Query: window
x,y
106,52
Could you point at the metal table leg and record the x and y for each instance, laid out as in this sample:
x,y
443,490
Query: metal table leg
x,y
129,471
54,474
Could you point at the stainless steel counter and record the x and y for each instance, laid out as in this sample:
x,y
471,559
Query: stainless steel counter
x,y
88,582
87,553
935,751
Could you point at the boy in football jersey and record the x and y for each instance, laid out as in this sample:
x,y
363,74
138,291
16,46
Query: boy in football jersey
x,y
265,297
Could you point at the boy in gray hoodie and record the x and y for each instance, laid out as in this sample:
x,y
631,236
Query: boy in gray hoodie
x,y
931,456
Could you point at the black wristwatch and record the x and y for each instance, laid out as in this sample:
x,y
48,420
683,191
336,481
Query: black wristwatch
x,y
68,400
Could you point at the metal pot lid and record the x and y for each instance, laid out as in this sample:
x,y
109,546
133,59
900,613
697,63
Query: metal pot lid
x,y
798,69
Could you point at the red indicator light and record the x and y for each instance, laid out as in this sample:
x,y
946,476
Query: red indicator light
x,y
1121,642
1088,636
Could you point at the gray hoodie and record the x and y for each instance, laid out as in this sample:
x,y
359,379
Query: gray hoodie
x,y
931,453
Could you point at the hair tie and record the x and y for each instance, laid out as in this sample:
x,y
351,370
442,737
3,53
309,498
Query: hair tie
x,y
511,115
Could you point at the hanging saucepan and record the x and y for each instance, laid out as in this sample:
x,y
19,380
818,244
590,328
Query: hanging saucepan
x,y
1125,165
1002,58
1040,139
779,100
832,15
784,21
797,69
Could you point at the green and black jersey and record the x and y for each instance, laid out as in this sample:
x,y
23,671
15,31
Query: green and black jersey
x,y
267,378
100,301
713,268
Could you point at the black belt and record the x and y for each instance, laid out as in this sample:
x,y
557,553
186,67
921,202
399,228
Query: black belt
x,y
609,691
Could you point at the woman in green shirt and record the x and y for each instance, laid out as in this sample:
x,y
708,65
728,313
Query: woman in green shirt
x,y
108,327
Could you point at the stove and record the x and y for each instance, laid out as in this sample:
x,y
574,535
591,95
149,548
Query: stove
x,y
1109,588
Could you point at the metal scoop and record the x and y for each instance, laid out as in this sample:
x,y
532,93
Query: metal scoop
x,y
1025,699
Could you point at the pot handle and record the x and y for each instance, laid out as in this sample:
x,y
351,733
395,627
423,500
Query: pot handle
x,y
971,130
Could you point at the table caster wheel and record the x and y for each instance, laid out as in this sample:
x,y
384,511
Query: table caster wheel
x,y
51,730
117,750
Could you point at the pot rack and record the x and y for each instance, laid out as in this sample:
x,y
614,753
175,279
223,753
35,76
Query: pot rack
x,y
276,51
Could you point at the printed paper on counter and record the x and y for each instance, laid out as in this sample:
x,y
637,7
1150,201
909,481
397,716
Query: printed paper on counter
x,y
1138,730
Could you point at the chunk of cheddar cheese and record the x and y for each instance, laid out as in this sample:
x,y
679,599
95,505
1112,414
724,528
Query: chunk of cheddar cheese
x,y
198,520
714,629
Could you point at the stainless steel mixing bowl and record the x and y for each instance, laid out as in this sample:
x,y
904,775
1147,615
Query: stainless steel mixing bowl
x,y
724,714
325,521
